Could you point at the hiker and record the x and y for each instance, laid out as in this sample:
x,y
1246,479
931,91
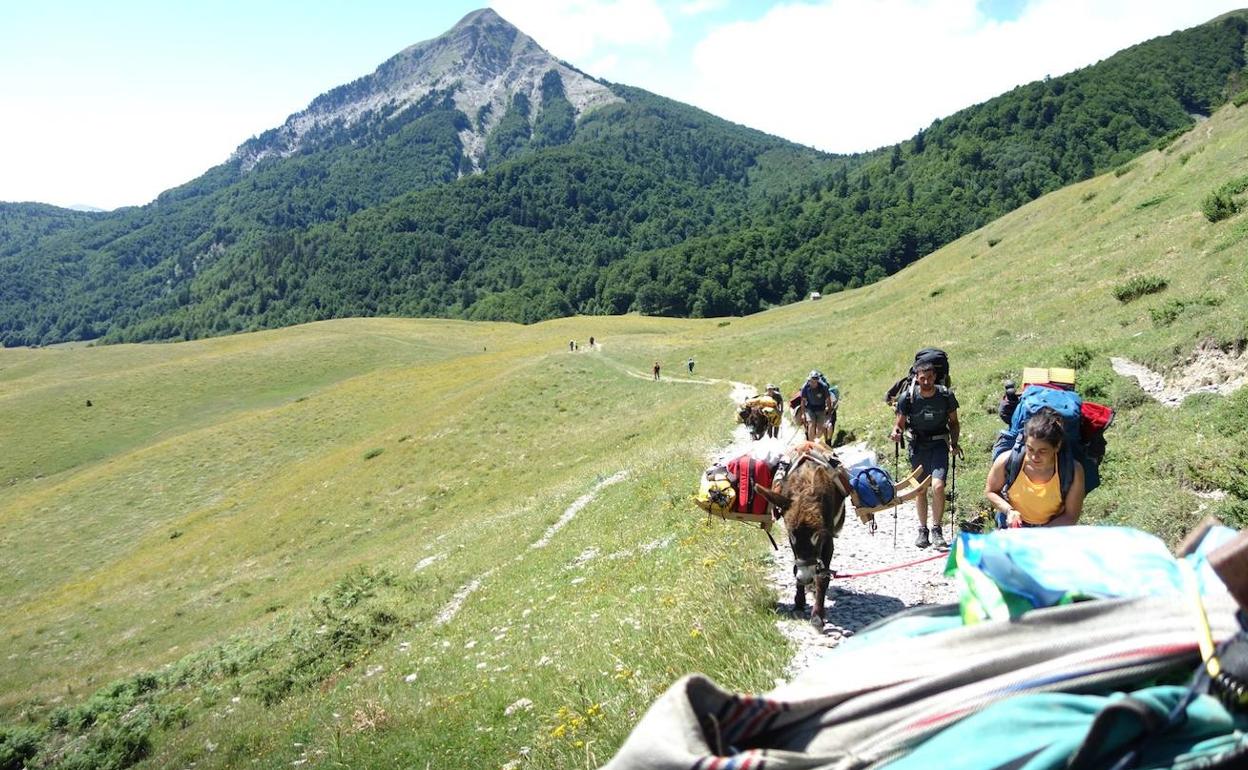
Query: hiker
x,y
656,370
1033,497
571,345
591,343
817,403
689,363
928,417
774,391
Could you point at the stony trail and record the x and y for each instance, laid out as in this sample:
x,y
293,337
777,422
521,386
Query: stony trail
x,y
853,603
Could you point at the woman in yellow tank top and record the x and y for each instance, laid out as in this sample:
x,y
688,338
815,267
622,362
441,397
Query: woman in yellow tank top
x,y
1035,498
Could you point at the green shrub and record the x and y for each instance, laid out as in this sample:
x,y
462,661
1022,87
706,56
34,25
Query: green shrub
x,y
1153,201
1096,383
1166,314
1124,169
1240,99
1221,203
1087,196
1168,139
17,745
370,454
993,242
1138,287
1076,356
1218,206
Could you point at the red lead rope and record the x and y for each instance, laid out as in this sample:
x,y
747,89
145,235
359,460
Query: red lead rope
x,y
840,576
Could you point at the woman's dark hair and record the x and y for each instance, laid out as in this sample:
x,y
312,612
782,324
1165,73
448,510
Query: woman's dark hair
x,y
1047,426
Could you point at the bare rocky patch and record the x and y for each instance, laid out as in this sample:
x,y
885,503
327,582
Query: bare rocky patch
x,y
1209,370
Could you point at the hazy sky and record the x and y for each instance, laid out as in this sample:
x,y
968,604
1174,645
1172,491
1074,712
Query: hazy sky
x,y
109,103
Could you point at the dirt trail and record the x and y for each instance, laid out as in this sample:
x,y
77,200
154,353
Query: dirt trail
x,y
853,603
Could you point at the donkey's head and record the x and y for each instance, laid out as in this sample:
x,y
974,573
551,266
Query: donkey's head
x,y
811,498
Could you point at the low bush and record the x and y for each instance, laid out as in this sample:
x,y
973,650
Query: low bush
x,y
1076,356
1168,139
1139,286
1168,313
1221,204
17,746
1240,99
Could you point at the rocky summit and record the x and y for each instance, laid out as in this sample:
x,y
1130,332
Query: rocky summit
x,y
480,64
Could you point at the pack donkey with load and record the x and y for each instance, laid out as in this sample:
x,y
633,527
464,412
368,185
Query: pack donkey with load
x,y
811,499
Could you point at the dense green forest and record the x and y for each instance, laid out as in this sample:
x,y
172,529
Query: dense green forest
x,y
645,205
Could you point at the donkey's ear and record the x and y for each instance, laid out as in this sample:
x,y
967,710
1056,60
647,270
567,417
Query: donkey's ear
x,y
775,498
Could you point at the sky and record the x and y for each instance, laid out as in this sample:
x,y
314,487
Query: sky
x,y
107,104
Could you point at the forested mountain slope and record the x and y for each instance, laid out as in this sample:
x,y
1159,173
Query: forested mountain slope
x,y
593,198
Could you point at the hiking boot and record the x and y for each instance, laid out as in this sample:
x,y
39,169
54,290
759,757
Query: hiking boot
x,y
938,539
921,541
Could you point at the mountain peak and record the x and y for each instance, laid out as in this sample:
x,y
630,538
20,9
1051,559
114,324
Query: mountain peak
x,y
482,17
482,63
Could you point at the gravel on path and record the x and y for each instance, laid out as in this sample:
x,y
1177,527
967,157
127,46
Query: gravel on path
x,y
853,603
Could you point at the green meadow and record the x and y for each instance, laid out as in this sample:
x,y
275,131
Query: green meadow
x,y
378,543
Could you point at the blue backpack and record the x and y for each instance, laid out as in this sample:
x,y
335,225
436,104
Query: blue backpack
x,y
872,485
1069,407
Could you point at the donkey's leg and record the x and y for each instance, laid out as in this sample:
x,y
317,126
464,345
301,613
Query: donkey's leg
x,y
817,612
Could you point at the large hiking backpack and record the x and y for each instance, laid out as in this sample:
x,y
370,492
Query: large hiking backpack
x,y
1084,425
939,360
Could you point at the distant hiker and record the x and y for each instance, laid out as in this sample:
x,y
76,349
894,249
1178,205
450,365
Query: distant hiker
x,y
818,403
928,416
656,370
571,345
1043,486
591,343
689,363
774,392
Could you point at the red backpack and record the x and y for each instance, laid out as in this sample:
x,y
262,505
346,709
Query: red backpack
x,y
746,471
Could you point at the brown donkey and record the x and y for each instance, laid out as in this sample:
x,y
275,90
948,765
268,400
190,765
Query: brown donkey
x,y
812,498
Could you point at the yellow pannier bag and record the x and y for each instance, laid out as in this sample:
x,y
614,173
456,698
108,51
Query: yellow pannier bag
x,y
716,494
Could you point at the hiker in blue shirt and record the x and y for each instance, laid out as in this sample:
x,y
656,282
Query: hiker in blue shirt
x,y
927,413
817,403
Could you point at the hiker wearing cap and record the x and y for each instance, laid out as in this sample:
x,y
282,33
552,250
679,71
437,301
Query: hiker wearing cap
x,y
816,403
927,414
1040,486
689,363
774,391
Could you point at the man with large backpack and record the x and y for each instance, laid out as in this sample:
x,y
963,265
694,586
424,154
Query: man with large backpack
x,y
818,402
927,414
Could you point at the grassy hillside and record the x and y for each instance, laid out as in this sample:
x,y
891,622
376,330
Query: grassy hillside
x,y
381,543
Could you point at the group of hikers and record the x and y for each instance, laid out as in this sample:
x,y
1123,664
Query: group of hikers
x,y
1032,481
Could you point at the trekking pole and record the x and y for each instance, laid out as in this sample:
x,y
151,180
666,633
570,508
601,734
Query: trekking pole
x,y
953,497
896,475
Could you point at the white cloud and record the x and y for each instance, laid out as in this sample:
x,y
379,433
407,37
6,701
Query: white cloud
x,y
845,75
577,29
697,7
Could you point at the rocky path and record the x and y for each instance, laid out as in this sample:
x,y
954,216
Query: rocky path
x,y
853,602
